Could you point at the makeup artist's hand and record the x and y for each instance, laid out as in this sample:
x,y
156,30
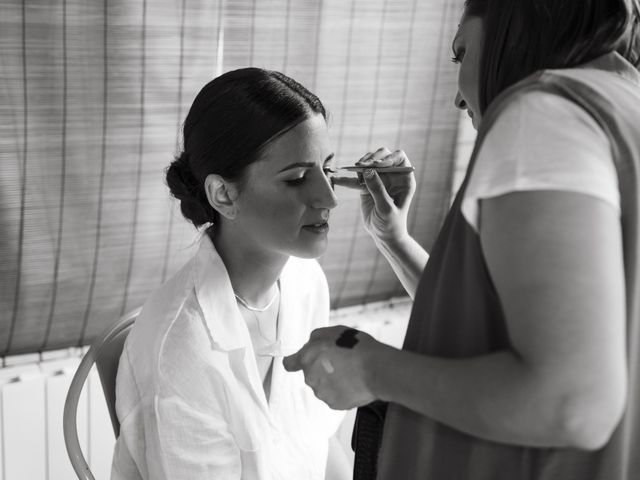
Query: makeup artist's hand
x,y
385,198
341,373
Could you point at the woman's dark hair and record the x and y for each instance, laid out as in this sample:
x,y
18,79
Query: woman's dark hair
x,y
524,36
230,122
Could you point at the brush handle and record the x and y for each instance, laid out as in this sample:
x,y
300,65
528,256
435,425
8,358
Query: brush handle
x,y
360,169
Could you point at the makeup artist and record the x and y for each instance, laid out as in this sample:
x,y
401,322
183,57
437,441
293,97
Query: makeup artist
x,y
522,355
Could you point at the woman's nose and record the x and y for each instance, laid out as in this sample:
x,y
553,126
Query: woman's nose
x,y
459,101
323,194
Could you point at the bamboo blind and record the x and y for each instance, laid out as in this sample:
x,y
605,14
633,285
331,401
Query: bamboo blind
x,y
91,101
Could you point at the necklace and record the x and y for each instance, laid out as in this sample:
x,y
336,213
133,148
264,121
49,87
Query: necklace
x,y
256,309
254,312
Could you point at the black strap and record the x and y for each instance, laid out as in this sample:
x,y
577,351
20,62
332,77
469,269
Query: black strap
x,y
367,438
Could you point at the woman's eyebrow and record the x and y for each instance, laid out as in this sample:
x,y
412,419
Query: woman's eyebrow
x,y
297,165
304,164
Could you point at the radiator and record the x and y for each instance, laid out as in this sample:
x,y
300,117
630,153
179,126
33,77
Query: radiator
x,y
32,393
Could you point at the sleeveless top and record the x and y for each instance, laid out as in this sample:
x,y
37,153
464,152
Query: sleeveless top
x,y
456,282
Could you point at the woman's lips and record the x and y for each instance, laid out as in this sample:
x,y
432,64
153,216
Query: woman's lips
x,y
321,227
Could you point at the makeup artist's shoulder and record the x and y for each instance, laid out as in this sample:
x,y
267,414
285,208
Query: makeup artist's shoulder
x,y
526,111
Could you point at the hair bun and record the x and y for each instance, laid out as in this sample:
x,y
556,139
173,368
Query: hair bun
x,y
185,187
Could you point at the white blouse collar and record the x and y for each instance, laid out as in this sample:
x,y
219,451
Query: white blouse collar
x,y
225,324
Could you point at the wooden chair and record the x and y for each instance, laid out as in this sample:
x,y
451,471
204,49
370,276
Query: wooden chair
x,y
104,353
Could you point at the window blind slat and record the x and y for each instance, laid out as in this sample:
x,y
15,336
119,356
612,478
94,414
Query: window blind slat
x,y
92,100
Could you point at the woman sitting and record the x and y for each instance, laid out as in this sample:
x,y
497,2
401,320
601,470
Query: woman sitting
x,y
201,390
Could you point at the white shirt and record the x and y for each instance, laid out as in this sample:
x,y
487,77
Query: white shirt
x,y
189,395
544,142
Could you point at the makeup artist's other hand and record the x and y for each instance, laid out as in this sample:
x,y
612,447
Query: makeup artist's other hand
x,y
385,197
340,376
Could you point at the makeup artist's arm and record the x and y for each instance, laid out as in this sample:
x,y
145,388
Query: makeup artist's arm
x,y
556,262
407,259
385,201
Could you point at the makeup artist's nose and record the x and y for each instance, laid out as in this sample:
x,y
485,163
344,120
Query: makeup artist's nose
x,y
459,101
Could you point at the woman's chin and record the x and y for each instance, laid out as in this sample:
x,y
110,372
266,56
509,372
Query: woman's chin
x,y
310,250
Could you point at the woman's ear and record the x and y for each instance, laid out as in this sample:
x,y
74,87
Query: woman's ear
x,y
222,195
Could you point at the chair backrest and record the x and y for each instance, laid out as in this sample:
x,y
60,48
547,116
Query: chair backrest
x,y
107,363
105,354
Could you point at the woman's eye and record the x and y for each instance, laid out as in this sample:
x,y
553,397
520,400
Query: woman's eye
x,y
296,181
328,171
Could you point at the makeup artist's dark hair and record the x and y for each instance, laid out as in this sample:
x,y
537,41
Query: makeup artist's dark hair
x,y
229,124
524,36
